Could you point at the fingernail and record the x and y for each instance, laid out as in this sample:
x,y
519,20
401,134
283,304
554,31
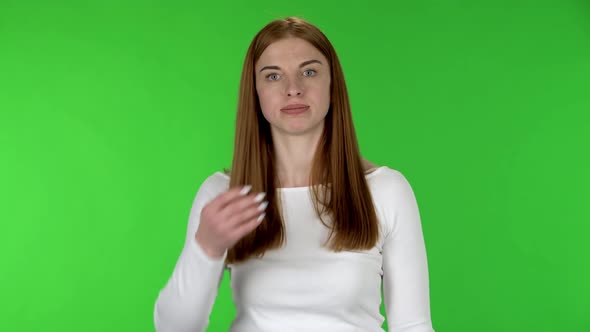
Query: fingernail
x,y
259,197
261,217
262,206
245,190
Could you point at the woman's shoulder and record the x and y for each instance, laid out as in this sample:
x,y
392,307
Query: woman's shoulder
x,y
388,182
371,170
368,167
391,193
226,172
215,183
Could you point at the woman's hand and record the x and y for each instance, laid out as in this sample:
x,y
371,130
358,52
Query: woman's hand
x,y
228,218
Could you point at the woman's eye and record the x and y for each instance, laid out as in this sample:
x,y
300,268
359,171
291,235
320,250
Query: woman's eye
x,y
272,77
309,72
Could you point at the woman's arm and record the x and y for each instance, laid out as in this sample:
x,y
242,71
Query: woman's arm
x,y
185,303
405,269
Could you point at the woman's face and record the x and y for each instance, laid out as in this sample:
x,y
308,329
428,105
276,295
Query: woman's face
x,y
293,86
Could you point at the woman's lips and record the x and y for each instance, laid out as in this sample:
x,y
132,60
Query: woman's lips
x,y
295,109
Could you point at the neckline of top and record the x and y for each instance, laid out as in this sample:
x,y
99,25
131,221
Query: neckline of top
x,y
292,189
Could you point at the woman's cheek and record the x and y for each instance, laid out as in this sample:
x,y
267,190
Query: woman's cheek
x,y
267,102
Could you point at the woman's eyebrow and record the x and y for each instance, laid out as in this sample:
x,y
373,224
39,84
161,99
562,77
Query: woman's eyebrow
x,y
303,64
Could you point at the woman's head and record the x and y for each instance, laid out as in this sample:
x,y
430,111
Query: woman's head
x,y
292,80
280,48
290,61
288,44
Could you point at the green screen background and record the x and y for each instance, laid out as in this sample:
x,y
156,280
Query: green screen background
x,y
112,113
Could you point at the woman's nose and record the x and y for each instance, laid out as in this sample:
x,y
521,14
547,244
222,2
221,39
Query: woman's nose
x,y
294,87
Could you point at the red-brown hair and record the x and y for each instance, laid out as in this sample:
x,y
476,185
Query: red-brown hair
x,y
340,190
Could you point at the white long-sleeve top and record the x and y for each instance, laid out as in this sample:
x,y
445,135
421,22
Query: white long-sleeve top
x,y
303,286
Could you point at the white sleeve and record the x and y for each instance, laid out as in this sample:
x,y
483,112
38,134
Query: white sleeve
x,y
405,269
185,302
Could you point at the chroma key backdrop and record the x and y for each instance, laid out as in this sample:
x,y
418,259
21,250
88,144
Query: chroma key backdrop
x,y
112,114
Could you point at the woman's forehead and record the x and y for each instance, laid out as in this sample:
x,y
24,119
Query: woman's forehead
x,y
289,50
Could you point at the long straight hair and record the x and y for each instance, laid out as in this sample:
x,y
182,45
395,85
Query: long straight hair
x,y
341,195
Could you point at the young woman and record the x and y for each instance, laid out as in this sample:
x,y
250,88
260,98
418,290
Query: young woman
x,y
307,228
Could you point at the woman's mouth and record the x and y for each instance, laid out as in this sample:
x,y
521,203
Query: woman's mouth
x,y
295,108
